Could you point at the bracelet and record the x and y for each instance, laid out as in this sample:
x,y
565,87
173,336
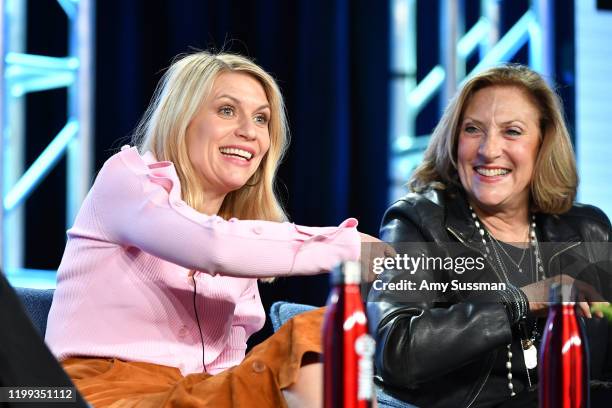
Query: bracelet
x,y
511,309
512,289
516,303
521,300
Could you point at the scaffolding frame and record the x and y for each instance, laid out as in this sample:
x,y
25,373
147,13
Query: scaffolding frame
x,y
409,98
20,74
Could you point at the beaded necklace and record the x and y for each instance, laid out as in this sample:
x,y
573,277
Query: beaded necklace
x,y
530,353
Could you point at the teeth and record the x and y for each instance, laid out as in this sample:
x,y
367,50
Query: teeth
x,y
239,153
491,172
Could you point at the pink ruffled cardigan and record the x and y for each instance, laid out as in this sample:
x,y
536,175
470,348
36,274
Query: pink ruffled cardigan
x,y
124,287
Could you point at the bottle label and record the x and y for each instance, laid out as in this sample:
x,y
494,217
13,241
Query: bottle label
x,y
364,347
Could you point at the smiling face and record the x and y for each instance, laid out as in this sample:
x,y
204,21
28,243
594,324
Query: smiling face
x,y
498,144
228,137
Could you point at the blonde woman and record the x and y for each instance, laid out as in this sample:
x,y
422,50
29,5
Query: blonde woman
x,y
157,290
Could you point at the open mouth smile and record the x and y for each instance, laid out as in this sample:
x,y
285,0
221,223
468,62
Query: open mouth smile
x,y
491,171
237,153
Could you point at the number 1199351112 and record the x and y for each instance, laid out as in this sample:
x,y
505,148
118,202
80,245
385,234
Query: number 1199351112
x,y
37,394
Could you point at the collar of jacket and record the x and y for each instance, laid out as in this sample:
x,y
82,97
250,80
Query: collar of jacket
x,y
556,231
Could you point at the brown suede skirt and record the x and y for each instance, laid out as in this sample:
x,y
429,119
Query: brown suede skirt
x,y
256,382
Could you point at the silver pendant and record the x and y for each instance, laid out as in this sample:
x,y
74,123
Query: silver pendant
x,y
531,356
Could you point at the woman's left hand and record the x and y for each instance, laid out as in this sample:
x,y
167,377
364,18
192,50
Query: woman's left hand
x,y
585,295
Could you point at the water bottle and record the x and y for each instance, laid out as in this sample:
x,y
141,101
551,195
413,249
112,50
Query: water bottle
x,y
348,349
564,355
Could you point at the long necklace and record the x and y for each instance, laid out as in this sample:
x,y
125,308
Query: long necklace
x,y
528,345
523,253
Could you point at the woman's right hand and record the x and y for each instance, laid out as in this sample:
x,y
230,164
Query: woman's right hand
x,y
372,248
537,293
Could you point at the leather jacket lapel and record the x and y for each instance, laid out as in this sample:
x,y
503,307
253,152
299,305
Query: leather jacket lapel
x,y
458,218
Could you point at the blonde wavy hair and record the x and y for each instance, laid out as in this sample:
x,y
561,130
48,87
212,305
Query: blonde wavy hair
x,y
163,130
555,179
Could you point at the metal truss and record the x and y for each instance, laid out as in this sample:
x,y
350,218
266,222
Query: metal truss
x,y
408,97
20,74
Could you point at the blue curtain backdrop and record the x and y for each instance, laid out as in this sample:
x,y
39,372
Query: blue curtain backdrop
x,y
329,57
318,51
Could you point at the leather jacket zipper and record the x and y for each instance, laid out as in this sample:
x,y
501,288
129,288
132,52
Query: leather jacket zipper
x,y
492,363
576,243
485,380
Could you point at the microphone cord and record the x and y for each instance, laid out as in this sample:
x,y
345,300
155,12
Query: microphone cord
x,y
195,309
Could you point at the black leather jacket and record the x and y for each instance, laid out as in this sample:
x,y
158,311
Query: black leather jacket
x,y
440,354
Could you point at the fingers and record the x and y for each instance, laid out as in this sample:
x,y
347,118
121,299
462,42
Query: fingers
x,y
598,308
584,309
587,292
589,296
373,249
389,251
597,313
